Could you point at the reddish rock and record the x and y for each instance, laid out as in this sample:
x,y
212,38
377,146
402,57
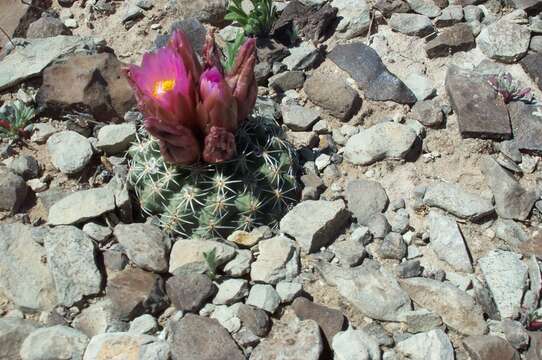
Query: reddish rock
x,y
90,83
16,16
331,321
488,347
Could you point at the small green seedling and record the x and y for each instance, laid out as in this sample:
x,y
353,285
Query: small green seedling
x,y
210,259
258,21
14,119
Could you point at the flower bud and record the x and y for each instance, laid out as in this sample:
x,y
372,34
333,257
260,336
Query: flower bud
x,y
219,146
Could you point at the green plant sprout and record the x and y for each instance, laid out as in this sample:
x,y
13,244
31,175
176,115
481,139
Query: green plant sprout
x,y
260,19
14,119
231,50
210,260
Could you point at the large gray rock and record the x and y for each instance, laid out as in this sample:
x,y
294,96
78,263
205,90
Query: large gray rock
x,y
387,140
116,138
56,342
299,118
506,277
303,57
13,332
69,151
370,288
512,201
123,345
25,277
145,245
532,64
448,243
32,56
504,41
424,7
457,309
450,40
81,206
489,347
432,345
187,255
366,67
190,292
292,341
411,24
526,125
479,112
315,223
265,297
278,260
13,191
355,17
457,201
72,261
355,345
365,198
199,338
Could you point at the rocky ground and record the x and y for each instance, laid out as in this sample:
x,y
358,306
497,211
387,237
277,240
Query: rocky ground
x,y
418,234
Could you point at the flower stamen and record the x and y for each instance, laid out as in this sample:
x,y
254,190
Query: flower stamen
x,y
162,87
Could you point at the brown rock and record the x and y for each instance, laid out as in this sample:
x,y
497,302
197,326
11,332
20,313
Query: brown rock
x,y
533,246
489,347
200,338
13,191
451,40
331,321
13,332
15,16
134,292
526,126
389,7
256,320
189,292
47,26
532,64
92,83
535,350
480,113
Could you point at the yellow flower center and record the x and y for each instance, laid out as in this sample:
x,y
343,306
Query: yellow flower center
x,y
161,87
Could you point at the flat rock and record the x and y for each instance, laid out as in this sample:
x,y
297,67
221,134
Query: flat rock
x,y
532,64
504,41
72,261
427,113
13,332
480,113
123,345
70,152
265,297
56,342
506,277
365,66
25,279
81,206
278,261
448,243
355,345
145,245
390,7
512,201
200,338
210,11
292,341
489,347
411,24
432,345
365,198
331,321
535,350
424,7
457,309
46,26
457,201
450,40
422,87
13,191
370,288
98,318
526,125
15,19
299,118
187,255
315,223
388,140
33,55
231,291
190,292
510,231
116,138
303,57
450,15
355,17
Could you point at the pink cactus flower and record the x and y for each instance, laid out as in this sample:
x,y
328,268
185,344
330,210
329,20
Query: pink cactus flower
x,y
194,112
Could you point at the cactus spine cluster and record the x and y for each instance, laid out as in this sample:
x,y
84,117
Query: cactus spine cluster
x,y
212,200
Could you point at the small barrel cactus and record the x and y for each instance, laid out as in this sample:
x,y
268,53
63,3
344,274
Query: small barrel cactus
x,y
203,164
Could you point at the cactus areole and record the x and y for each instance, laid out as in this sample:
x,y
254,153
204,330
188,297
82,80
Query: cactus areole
x,y
210,165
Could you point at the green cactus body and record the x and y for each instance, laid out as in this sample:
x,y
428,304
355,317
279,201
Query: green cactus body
x,y
256,188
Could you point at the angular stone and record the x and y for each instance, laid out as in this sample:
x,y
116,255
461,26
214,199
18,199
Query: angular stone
x,y
264,297
515,332
365,198
510,231
299,118
231,291
70,152
25,166
432,345
209,11
278,260
489,347
526,125
71,259
532,64
450,40
424,7
187,255
479,111
512,201
504,41
355,345
388,140
370,288
56,342
390,7
421,320
366,67
303,57
457,309
451,15
145,245
411,24
190,291
192,27
423,88
315,223
29,60
14,19
393,247
535,350
81,206
447,241
47,26
13,332
355,17
506,277
199,338
25,277
292,341
99,318
331,321
122,345
116,138
255,320
13,191
287,80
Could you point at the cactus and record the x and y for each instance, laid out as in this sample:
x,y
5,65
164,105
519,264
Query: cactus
x,y
213,200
